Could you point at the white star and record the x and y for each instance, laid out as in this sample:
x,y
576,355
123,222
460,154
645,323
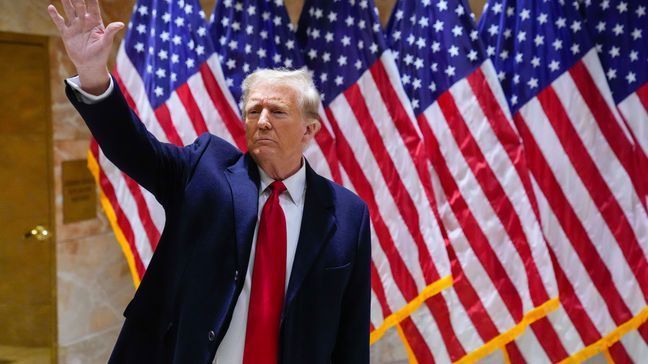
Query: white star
x,y
342,61
535,62
459,10
346,41
507,33
418,63
276,58
514,100
510,11
436,46
575,48
424,22
324,77
277,20
231,63
542,18
290,44
358,64
251,10
504,55
420,42
318,13
539,40
175,58
631,77
264,34
490,51
611,73
188,9
600,27
233,44
143,10
329,37
189,62
454,51
576,26
472,55
141,28
202,31
332,17
501,75
474,35
174,77
442,5
561,22
516,79
614,51
554,65
618,29
315,33
521,36
179,22
326,57
139,47
493,29
457,30
622,7
409,59
533,83
432,87
158,91
525,14
163,54
641,11
450,71
349,21
405,79
373,48
312,53
438,25
166,17
497,8
339,80
261,53
636,33
634,56
557,44
605,4
518,58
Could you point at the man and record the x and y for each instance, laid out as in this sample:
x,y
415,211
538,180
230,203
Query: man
x,y
261,259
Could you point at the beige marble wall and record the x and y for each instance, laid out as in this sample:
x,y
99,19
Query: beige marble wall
x,y
93,280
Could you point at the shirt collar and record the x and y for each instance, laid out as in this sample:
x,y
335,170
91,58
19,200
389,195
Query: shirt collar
x,y
295,184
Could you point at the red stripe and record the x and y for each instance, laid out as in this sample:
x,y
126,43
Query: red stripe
x,y
616,138
643,331
164,119
598,189
572,226
549,340
379,291
327,144
143,211
494,192
409,134
619,354
231,119
415,340
125,91
393,180
642,94
401,274
439,309
476,238
514,354
507,136
122,220
191,107
573,306
470,300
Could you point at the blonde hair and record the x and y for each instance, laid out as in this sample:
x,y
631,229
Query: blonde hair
x,y
300,80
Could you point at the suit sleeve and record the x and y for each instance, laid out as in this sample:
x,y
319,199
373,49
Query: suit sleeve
x,y
161,168
352,345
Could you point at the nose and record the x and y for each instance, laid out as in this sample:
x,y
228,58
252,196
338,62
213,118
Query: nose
x,y
264,120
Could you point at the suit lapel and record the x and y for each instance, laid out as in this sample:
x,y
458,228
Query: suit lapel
x,y
243,178
318,223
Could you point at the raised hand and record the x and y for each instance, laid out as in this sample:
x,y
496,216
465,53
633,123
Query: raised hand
x,y
87,42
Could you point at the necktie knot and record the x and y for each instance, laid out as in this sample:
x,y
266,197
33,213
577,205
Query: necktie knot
x,y
277,187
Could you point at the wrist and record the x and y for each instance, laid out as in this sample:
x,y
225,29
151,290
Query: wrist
x,y
94,81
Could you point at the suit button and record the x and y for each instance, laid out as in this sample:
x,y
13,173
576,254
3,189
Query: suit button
x,y
211,336
236,275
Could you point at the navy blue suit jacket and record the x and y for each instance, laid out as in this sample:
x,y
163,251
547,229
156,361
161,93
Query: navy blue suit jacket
x,y
209,191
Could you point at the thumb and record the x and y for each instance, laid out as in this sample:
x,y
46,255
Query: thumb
x,y
112,29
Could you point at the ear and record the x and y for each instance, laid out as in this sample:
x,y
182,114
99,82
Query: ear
x,y
312,129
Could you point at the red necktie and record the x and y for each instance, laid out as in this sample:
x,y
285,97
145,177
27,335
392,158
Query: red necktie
x,y
268,280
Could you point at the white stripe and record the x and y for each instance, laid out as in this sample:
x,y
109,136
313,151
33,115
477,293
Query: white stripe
x,y
595,69
608,166
636,116
635,346
384,200
406,169
580,200
387,59
533,352
508,179
427,326
135,87
478,205
463,327
490,74
472,267
128,206
565,330
213,119
155,209
215,67
569,261
317,160
375,314
180,119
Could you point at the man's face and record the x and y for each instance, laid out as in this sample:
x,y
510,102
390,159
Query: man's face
x,y
275,126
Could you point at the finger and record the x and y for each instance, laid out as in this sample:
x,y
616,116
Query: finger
x,y
69,10
56,18
93,8
79,8
112,29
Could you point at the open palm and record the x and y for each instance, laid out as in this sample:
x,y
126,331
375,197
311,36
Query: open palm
x,y
86,40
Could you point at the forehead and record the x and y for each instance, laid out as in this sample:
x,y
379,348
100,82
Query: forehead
x,y
272,92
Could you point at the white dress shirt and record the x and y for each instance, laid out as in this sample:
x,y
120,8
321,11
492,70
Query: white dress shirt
x,y
230,350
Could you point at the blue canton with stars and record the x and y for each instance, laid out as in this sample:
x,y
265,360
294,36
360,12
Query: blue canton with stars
x,y
435,45
167,41
252,34
531,43
620,32
340,39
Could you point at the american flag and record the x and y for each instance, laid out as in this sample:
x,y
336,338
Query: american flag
x,y
503,278
380,150
253,34
582,162
620,33
170,75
